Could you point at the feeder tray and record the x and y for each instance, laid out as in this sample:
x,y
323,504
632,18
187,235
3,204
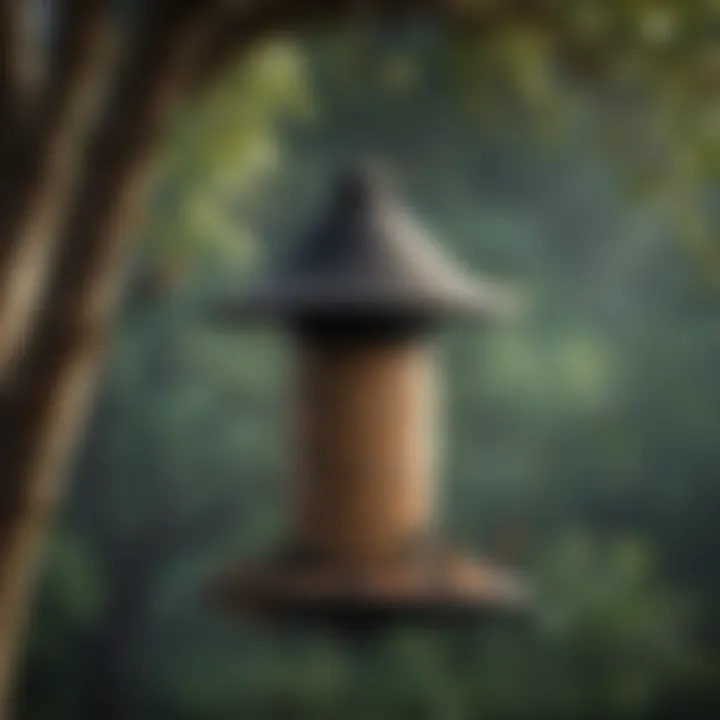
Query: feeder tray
x,y
438,587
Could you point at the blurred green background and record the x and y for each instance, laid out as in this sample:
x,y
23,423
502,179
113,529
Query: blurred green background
x,y
582,438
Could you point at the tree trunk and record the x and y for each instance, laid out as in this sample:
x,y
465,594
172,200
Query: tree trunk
x,y
42,149
42,411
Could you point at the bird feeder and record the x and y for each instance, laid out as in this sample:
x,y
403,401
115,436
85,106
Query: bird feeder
x,y
360,298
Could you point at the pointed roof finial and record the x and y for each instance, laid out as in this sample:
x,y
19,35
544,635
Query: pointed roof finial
x,y
366,256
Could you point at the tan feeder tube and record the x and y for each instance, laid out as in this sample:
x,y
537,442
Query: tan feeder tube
x,y
365,454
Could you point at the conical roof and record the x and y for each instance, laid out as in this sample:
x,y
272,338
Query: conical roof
x,y
367,257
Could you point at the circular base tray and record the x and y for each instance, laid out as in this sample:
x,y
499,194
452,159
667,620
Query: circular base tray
x,y
441,588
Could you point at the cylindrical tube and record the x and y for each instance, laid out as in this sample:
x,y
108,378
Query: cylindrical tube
x,y
365,456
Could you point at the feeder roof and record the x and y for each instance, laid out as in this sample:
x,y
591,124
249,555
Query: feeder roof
x,y
366,257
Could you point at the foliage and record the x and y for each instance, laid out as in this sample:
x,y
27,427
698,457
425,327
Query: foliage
x,y
222,151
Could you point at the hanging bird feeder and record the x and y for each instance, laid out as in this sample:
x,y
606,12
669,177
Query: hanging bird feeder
x,y
360,298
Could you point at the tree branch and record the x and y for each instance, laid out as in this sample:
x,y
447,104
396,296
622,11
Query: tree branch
x,y
39,171
82,288
45,405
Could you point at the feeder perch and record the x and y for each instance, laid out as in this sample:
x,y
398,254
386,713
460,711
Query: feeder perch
x,y
360,297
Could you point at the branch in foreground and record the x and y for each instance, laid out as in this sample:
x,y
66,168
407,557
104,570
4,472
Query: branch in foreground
x,y
48,399
40,167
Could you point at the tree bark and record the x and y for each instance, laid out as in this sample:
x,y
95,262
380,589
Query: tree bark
x,y
46,403
43,144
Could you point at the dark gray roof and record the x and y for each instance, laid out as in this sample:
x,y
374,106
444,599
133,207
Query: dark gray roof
x,y
367,256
